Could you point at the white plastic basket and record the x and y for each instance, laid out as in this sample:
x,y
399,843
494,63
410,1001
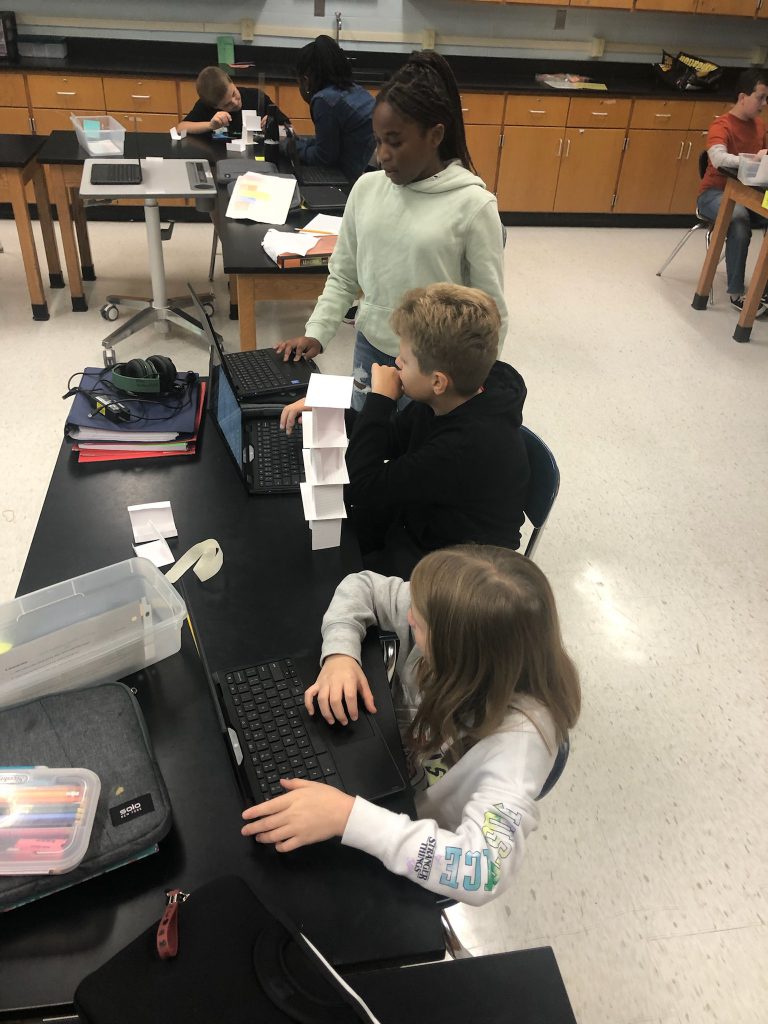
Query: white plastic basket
x,y
100,135
753,170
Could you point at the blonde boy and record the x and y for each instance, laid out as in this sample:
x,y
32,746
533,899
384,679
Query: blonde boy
x,y
221,104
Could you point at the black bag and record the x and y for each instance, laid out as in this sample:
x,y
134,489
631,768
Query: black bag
x,y
237,963
687,72
101,728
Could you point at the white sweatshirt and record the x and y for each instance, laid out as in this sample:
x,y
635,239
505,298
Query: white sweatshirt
x,y
473,821
396,237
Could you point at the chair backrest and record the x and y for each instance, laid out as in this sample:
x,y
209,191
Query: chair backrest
x,y
703,161
557,768
542,487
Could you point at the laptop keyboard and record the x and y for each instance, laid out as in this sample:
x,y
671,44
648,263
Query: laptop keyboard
x,y
278,464
115,174
276,737
318,176
255,376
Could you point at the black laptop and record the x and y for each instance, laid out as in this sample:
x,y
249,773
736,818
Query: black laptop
x,y
116,173
260,373
318,174
271,736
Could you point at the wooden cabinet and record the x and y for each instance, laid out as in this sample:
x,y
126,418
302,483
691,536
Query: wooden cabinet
x,y
688,178
482,107
47,121
65,92
589,169
595,112
732,8
670,115
187,97
649,171
762,9
12,91
483,141
528,169
542,111
145,122
139,95
15,121
625,4
683,6
705,111
290,101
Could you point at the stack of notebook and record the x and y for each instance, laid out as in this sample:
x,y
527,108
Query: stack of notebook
x,y
157,425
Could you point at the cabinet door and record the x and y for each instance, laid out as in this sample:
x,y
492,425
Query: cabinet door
x,y
743,8
625,4
686,6
66,91
47,121
688,178
482,107
649,171
15,121
673,115
289,100
589,169
156,95
705,112
483,145
12,91
302,125
187,97
144,122
762,9
595,112
530,162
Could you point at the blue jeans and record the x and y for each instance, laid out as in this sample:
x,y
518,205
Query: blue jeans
x,y
364,357
737,239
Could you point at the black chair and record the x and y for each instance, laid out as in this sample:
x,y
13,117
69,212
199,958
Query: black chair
x,y
702,224
542,488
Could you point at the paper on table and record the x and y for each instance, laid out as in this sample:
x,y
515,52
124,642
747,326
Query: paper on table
x,y
324,224
104,147
325,466
157,551
176,135
264,198
329,391
278,242
154,516
324,502
324,428
326,533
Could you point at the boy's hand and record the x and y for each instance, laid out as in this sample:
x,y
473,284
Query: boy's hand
x,y
290,414
385,380
220,119
299,348
308,812
340,676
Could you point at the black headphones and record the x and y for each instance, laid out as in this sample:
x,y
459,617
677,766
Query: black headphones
x,y
153,376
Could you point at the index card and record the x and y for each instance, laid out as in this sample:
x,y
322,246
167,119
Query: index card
x,y
329,391
326,502
326,533
152,519
325,466
324,428
176,135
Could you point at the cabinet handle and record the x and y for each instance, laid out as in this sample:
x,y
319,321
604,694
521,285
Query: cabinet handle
x,y
60,93
662,115
537,111
464,110
599,113
559,147
135,96
682,147
567,148
690,147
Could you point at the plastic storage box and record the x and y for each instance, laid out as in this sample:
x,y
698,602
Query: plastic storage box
x,y
753,170
46,817
100,135
43,46
100,626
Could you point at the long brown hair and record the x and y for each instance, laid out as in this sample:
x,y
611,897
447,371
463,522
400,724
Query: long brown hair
x,y
493,632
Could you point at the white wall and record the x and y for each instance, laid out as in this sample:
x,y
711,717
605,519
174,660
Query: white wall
x,y
398,25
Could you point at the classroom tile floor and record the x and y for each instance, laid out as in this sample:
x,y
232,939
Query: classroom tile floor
x,y
649,873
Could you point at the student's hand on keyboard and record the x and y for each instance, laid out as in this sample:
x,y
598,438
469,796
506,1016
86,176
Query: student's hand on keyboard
x,y
290,415
308,812
385,380
299,348
340,677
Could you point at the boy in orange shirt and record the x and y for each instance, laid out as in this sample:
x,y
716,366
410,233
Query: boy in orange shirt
x,y
741,130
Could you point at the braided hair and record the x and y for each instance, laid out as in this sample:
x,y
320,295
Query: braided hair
x,y
323,63
424,90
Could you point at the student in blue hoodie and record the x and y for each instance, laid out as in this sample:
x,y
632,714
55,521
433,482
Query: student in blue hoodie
x,y
451,466
424,217
340,110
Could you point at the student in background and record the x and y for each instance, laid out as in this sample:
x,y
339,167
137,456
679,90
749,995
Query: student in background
x,y
221,104
424,217
451,466
485,692
340,110
741,130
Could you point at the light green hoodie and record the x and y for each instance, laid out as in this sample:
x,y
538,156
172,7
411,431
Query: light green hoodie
x,y
396,237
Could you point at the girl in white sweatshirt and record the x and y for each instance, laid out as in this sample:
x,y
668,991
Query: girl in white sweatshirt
x,y
485,693
424,217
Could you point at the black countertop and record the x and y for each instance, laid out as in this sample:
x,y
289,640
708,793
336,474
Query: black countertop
x,y
497,74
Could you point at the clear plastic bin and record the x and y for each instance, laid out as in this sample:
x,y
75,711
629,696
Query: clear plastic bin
x,y
100,135
46,818
753,170
100,626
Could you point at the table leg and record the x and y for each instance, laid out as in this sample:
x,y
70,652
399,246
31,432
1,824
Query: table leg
x,y
61,199
234,313
27,242
246,304
45,217
743,329
83,241
720,230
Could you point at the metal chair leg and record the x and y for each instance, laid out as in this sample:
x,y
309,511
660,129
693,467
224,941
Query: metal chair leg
x,y
679,246
213,255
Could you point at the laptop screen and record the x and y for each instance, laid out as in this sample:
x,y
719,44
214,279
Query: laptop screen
x,y
227,414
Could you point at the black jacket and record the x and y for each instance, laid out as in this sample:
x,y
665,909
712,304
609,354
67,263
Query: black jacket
x,y
253,99
450,479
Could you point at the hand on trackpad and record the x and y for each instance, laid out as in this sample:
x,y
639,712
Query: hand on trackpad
x,y
351,732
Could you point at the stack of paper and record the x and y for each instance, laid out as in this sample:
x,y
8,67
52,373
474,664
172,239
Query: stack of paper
x,y
325,445
159,425
265,198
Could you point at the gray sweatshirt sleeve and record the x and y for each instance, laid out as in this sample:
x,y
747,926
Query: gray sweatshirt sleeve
x,y
485,258
342,288
365,599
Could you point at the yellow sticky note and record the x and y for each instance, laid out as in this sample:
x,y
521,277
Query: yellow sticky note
x,y
765,201
258,158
